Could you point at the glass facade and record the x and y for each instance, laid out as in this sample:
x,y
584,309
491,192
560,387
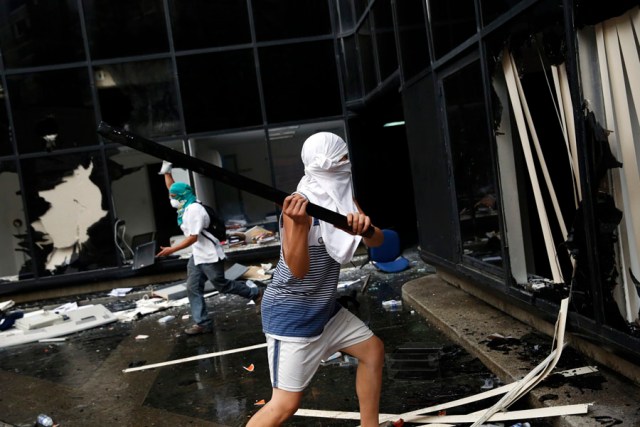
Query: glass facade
x,y
216,80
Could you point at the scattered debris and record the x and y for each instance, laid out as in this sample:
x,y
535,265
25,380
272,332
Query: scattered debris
x,y
392,305
166,319
142,337
331,358
44,420
119,292
256,273
45,340
488,384
85,317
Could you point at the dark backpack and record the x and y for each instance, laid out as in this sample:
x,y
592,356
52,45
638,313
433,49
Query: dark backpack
x,y
216,224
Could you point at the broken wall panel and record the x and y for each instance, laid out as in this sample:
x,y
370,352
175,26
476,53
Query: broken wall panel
x,y
609,63
68,213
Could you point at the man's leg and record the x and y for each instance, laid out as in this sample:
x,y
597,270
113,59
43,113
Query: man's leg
x,y
370,355
215,274
195,294
281,407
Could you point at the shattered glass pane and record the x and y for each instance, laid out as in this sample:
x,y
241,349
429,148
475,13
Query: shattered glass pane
x,y
68,213
140,199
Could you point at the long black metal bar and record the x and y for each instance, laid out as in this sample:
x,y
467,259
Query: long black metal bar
x,y
240,182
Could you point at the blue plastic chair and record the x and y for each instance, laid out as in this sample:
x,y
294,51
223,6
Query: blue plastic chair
x,y
387,257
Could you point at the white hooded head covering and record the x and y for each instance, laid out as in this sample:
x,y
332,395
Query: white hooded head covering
x,y
327,183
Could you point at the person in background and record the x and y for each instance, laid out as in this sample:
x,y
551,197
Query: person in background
x,y
301,317
207,258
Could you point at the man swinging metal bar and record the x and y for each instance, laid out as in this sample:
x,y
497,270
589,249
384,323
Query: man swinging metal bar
x,y
219,174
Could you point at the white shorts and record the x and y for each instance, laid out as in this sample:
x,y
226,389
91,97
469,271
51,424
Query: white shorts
x,y
292,364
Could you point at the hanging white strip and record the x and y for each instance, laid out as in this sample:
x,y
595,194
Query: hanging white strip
x,y
510,78
619,181
574,172
631,147
541,159
571,125
563,121
625,138
411,416
536,375
509,185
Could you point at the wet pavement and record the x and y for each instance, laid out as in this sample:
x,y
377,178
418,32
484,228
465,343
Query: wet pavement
x,y
450,347
79,382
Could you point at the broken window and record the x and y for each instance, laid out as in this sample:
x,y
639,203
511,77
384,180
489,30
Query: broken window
x,y
610,65
244,153
539,160
473,170
140,199
536,152
70,226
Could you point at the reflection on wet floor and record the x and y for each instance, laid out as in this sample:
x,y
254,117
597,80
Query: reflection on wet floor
x,y
423,367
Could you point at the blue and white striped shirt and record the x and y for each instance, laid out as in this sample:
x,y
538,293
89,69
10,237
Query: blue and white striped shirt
x,y
298,309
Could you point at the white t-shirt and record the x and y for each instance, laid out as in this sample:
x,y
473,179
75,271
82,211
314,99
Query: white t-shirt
x,y
194,222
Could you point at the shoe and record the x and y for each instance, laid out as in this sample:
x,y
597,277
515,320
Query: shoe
x,y
398,423
197,330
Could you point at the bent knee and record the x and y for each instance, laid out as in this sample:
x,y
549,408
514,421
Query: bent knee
x,y
285,403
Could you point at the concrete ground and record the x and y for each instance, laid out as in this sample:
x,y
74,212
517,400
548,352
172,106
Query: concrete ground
x,y
437,350
616,399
